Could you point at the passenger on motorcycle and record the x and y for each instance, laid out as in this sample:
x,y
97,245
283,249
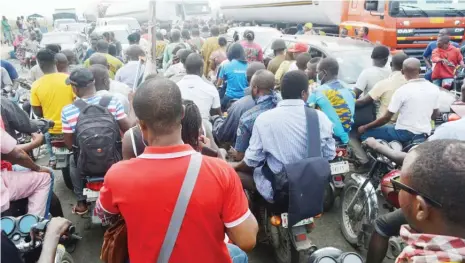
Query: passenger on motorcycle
x,y
279,136
217,206
82,83
431,198
49,95
62,62
35,184
312,73
265,97
446,58
225,128
35,72
372,75
334,98
416,102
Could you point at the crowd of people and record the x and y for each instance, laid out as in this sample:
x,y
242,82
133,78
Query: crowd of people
x,y
221,100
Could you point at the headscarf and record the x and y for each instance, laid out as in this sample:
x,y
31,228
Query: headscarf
x,y
236,51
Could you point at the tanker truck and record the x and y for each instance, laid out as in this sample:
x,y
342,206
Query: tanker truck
x,y
167,11
400,25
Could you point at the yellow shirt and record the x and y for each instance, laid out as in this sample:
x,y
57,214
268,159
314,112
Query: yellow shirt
x,y
209,46
113,62
283,69
51,93
383,91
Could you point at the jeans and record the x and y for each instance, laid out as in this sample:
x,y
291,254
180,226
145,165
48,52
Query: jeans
x,y
389,133
78,183
237,255
48,141
388,225
429,75
225,102
357,148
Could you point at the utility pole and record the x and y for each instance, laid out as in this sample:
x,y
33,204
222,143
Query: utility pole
x,y
151,66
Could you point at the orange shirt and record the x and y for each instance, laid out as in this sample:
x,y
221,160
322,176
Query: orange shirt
x,y
145,189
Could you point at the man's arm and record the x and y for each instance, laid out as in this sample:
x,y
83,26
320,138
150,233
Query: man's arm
x,y
366,100
55,229
35,102
436,57
361,84
216,105
37,140
18,156
377,123
254,155
38,111
427,55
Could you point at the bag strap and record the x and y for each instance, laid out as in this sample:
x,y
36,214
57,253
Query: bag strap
x,y
80,104
313,133
180,208
133,142
105,101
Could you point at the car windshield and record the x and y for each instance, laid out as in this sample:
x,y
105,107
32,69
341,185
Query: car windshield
x,y
351,63
431,8
58,39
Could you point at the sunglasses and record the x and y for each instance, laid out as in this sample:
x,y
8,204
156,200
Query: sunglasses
x,y
400,186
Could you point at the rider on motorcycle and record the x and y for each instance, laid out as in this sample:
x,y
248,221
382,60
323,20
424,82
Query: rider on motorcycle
x,y
417,104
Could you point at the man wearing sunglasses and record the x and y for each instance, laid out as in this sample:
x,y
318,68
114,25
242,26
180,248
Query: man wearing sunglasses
x,y
430,195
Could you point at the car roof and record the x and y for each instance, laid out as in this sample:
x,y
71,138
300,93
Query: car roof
x,y
330,43
111,28
116,18
253,28
61,33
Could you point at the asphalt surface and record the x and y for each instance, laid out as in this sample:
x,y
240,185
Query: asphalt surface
x,y
326,233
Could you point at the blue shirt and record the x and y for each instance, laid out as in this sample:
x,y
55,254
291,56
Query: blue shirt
x,y
234,73
432,46
224,129
279,137
244,131
89,53
10,68
338,103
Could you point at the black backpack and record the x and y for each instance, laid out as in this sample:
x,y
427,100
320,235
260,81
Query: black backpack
x,y
97,138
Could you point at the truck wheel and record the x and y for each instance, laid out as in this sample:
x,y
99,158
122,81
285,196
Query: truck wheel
x,y
67,177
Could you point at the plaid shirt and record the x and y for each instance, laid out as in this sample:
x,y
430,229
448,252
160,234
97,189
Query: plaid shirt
x,y
427,248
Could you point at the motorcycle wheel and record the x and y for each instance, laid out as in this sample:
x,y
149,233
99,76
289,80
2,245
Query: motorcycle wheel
x,y
284,250
351,230
67,178
329,198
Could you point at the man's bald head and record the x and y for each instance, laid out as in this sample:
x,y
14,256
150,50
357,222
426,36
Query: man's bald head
x,y
102,46
134,52
61,62
398,61
101,77
70,55
411,68
443,32
252,68
194,64
98,59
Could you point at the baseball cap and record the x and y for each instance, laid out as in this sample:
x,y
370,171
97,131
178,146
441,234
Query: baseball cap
x,y
298,48
380,52
80,77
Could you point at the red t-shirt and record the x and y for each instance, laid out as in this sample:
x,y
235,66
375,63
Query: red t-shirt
x,y
441,70
253,51
145,189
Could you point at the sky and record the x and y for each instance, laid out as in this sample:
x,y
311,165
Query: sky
x,y
45,7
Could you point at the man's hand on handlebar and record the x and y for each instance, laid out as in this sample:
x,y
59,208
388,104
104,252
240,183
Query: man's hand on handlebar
x,y
57,227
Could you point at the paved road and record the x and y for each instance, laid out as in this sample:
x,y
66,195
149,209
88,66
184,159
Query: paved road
x,y
326,233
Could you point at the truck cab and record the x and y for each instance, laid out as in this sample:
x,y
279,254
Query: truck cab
x,y
404,25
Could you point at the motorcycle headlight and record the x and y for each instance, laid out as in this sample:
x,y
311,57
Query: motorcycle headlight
x,y
350,258
326,260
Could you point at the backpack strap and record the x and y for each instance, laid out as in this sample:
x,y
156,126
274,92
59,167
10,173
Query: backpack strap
x,y
313,133
80,104
105,101
133,142
180,208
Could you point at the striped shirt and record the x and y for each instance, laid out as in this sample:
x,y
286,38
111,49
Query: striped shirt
x,y
70,113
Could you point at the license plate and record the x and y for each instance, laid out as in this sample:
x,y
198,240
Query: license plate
x,y
91,194
284,221
340,167
60,150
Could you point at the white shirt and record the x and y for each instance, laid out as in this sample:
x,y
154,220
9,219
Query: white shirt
x,y
204,95
122,99
127,73
119,87
370,76
415,102
175,69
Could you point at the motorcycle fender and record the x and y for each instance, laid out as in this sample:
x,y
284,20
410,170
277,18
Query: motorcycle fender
x,y
300,231
370,194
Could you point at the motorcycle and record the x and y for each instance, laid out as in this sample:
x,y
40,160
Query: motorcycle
x,y
62,154
359,201
334,255
291,243
92,193
339,167
27,233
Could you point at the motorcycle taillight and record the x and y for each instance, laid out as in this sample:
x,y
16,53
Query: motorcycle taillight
x,y
341,152
94,186
59,144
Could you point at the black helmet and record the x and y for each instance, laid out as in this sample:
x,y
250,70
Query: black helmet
x,y
278,44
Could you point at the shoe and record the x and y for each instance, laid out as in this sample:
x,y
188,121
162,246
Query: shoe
x,y
80,208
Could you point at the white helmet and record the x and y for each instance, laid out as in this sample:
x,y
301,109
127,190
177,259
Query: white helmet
x,y
163,32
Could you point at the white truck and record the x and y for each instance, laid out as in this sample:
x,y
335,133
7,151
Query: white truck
x,y
167,11
65,13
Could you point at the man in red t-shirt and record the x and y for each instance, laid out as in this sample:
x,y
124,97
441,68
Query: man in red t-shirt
x,y
446,58
144,190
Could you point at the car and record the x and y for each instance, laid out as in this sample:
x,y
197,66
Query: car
x,y
263,35
121,33
58,22
353,55
67,40
131,22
